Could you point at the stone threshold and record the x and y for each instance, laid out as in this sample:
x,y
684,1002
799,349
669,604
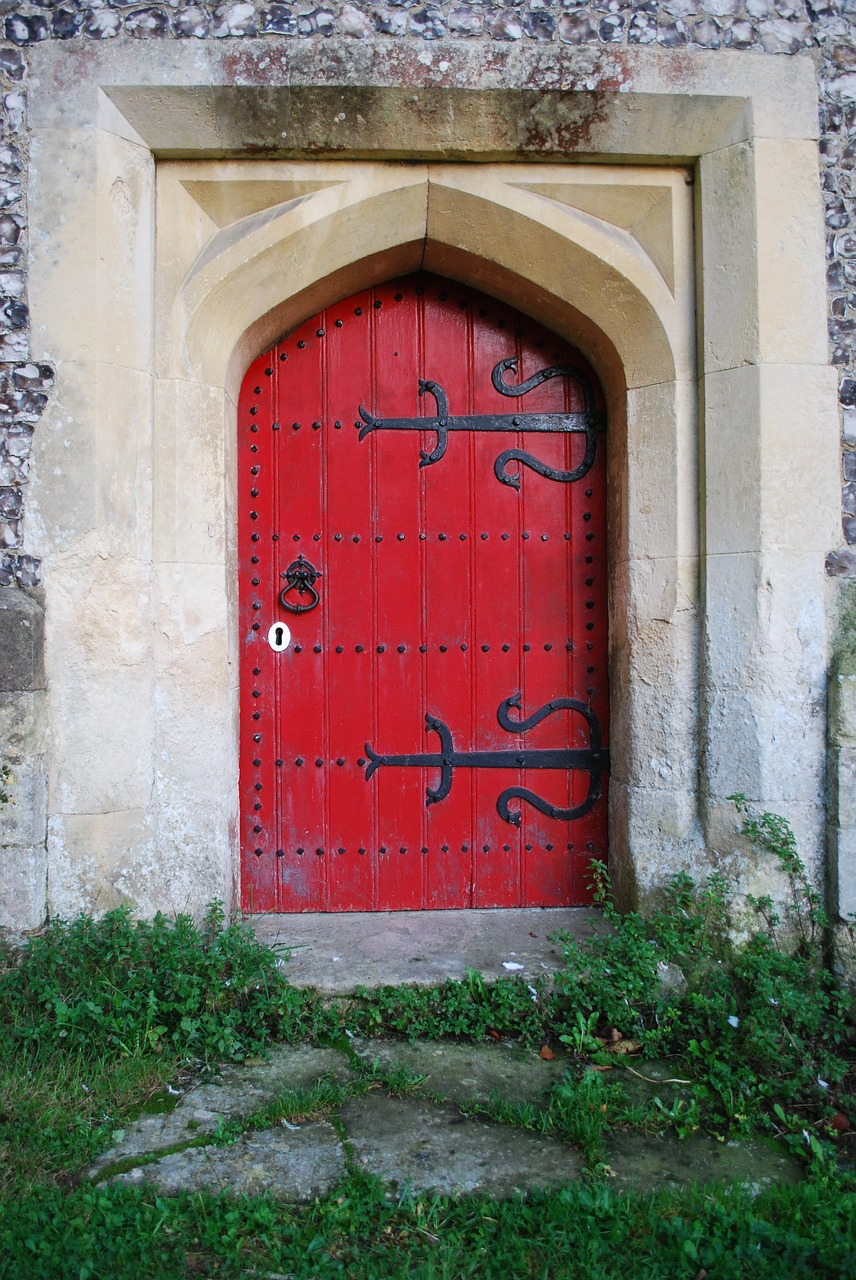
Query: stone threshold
x,y
335,953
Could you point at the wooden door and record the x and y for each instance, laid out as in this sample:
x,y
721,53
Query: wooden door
x,y
422,550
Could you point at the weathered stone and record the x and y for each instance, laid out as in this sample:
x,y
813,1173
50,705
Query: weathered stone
x,y
503,26
22,30
436,1149
672,34
393,22
279,18
645,1165
143,23
841,564
706,34
354,22
465,22
611,29
12,63
779,36
740,35
428,23
576,28
101,24
642,29
21,640
464,1073
539,24
66,23
320,21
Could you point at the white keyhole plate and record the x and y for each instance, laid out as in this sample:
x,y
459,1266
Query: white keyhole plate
x,y
279,637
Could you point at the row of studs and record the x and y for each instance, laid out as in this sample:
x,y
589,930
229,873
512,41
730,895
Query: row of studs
x,y
383,849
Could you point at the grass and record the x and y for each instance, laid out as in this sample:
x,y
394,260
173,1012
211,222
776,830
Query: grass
x,y
100,1019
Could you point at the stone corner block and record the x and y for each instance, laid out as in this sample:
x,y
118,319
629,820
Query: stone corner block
x,y
22,642
23,887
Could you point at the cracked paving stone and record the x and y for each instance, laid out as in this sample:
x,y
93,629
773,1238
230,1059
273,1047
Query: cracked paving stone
x,y
470,1073
235,1092
290,1164
644,1163
431,1148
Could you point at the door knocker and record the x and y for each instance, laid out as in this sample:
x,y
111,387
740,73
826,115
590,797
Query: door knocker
x,y
300,576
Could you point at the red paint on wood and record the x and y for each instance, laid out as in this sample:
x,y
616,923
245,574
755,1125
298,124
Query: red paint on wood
x,y
441,590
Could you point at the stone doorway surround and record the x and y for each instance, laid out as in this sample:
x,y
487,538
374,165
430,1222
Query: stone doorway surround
x,y
661,211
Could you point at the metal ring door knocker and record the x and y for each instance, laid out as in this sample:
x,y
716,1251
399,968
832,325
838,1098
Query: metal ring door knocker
x,y
300,576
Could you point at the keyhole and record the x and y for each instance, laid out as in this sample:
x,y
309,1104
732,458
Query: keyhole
x,y
279,637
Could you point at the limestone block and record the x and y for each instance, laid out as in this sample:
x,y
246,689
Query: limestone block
x,y
192,422
100,642
97,861
63,204
842,697
125,238
21,642
23,818
661,465
23,876
22,725
728,250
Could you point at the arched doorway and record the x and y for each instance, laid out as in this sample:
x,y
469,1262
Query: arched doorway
x,y
424,696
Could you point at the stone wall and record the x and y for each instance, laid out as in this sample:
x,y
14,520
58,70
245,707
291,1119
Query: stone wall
x,y
760,26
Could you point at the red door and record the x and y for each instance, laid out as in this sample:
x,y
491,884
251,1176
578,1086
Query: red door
x,y
422,550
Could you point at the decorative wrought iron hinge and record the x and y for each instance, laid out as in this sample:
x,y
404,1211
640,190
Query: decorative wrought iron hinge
x,y
593,759
587,423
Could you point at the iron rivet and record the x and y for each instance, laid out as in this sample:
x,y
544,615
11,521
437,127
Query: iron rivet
x,y
257,762
589,626
398,297
299,761
300,852
279,764
520,759
257,715
274,426
254,410
338,426
257,671
485,848
588,493
547,647
254,448
401,537
298,648
316,426
402,849
319,763
401,648
422,537
295,426
301,344
570,848
381,648
442,648
274,537
280,853
256,626
254,538
338,323
382,849
359,648
589,846
586,515
295,537
506,848
378,304
590,671
569,645
338,537
589,537
525,537
589,559
283,355
465,848
339,648
254,515
257,604
258,853
340,850
254,471
378,537
526,648
442,537
361,851
361,762
257,830
254,493
589,645
356,537
254,560
589,604
257,693
358,311
505,537
515,422
528,848
268,372
316,537
257,737
320,853
567,537
590,692
464,647
258,786
485,648
463,537
256,582
317,648
505,648
484,537
423,648
340,762
319,333
258,391
445,848
589,582
545,537
257,807
424,848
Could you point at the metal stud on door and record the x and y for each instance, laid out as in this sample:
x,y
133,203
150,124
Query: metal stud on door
x,y
424,703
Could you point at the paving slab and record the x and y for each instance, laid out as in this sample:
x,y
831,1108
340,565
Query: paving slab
x,y
470,1073
291,1164
646,1163
435,1148
334,954
236,1091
